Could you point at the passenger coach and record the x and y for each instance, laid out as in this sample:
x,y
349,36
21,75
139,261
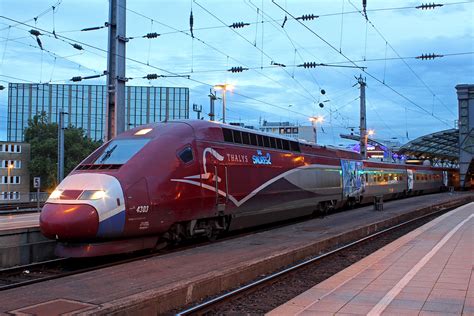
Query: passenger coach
x,y
165,182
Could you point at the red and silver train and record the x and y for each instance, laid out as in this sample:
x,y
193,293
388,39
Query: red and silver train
x,y
166,182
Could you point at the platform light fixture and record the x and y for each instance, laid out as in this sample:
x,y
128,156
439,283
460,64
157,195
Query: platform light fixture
x,y
224,87
314,121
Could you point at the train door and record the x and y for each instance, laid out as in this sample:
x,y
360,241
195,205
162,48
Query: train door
x,y
221,185
138,208
410,180
352,180
215,175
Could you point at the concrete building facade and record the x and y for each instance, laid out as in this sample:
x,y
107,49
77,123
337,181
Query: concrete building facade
x,y
85,105
289,130
14,174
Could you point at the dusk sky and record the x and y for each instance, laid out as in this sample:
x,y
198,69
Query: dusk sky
x,y
405,96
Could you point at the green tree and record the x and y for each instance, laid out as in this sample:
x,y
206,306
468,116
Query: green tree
x,y
43,139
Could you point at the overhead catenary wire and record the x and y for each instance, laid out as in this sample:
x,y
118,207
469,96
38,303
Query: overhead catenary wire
x,y
404,61
69,40
220,52
260,49
366,72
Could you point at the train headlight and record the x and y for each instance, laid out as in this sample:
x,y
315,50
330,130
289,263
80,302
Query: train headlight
x,y
92,195
56,194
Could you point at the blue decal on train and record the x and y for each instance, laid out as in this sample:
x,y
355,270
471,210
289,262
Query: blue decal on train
x,y
260,159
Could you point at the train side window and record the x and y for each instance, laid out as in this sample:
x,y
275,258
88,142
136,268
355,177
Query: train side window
x,y
253,139
245,138
186,155
237,137
273,142
295,146
228,135
279,145
260,140
266,141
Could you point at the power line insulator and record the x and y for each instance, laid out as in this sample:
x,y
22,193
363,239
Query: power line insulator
x,y
237,69
77,46
92,77
428,56
151,76
1,87
93,28
429,6
152,35
35,32
308,65
307,17
238,25
76,79
277,64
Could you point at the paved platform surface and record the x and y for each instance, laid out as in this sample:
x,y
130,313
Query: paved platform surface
x,y
8,222
158,284
426,272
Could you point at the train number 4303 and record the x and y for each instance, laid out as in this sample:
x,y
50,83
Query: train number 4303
x,y
143,209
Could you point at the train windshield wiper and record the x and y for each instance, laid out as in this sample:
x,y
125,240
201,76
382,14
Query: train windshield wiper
x,y
107,154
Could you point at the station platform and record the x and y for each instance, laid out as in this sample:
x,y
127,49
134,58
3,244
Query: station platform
x,y
165,282
8,222
426,272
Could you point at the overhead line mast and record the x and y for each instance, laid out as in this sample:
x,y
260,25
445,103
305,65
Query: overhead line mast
x,y
115,108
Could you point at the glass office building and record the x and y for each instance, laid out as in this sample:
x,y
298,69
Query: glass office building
x,y
85,105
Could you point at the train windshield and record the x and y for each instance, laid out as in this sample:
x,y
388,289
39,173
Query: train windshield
x,y
119,151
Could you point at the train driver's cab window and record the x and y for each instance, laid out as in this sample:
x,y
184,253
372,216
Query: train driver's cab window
x,y
186,155
119,151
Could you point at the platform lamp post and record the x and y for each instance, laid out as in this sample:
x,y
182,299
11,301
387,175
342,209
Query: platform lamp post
x,y
370,132
224,87
314,121
9,168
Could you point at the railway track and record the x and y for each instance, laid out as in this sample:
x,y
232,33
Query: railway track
x,y
19,207
57,268
61,267
217,304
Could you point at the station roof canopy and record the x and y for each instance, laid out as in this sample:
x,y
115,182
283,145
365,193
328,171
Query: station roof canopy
x,y
439,146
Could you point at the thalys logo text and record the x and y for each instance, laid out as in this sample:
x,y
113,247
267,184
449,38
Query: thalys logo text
x,y
260,159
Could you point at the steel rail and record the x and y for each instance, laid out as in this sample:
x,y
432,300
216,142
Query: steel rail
x,y
221,298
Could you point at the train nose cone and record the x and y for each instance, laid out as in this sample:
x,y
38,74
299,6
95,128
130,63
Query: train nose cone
x,y
65,222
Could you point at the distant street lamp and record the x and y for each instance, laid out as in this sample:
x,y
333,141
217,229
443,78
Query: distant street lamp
x,y
314,121
224,87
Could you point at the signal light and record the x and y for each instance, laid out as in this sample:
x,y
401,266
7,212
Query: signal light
x,y
428,56
237,69
429,6
307,17
238,25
